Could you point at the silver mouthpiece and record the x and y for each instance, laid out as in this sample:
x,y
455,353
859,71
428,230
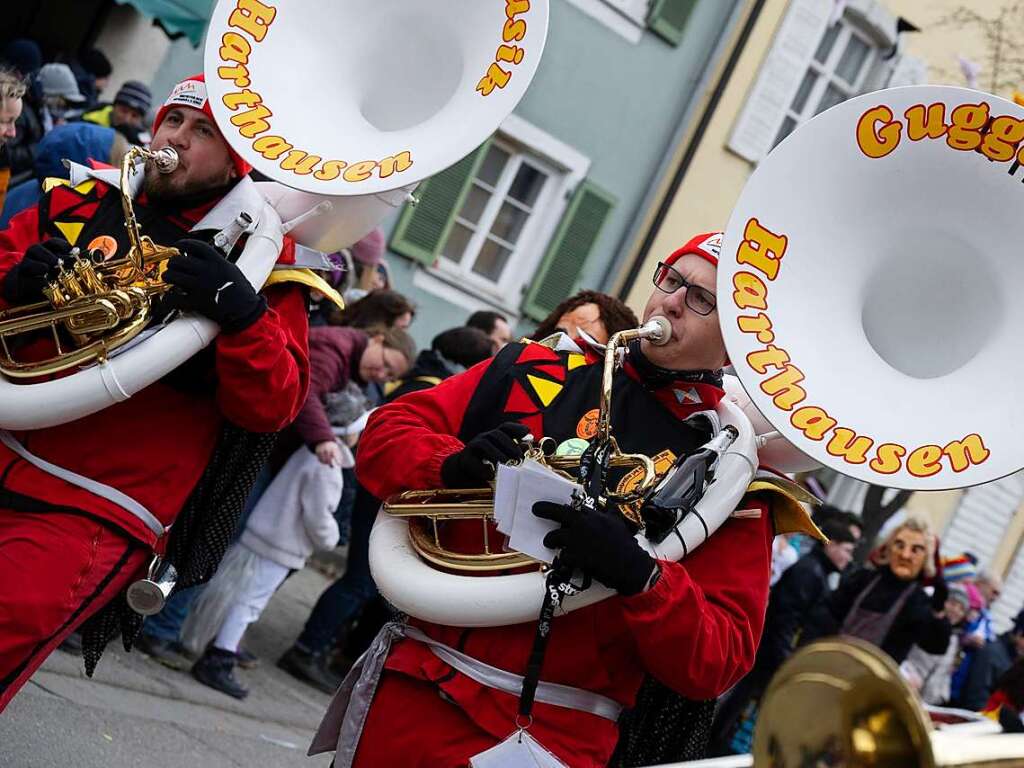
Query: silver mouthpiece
x,y
657,330
165,159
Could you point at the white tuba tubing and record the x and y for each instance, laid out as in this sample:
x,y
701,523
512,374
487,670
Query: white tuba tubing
x,y
46,404
417,589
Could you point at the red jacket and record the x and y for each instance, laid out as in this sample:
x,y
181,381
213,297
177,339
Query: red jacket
x,y
155,446
697,630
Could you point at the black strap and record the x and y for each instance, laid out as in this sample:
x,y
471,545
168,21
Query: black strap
x,y
557,586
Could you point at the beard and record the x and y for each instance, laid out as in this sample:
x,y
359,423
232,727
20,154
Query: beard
x,y
171,190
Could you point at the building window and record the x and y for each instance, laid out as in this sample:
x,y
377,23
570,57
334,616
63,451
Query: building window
x,y
837,72
495,223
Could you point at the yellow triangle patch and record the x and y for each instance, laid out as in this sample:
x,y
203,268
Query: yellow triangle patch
x,y
546,390
86,186
71,230
576,360
54,181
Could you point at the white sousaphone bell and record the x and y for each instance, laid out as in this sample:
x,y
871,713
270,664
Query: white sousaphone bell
x,y
344,124
868,287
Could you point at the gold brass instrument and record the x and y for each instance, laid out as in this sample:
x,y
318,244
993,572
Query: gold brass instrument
x,y
844,703
427,511
93,306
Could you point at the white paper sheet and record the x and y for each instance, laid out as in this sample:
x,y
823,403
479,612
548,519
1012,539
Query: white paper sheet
x,y
536,483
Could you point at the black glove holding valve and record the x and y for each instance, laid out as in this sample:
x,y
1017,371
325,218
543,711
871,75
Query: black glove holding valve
x,y
601,544
209,284
25,282
476,464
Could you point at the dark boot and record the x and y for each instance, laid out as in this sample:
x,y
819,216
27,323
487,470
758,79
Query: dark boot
x,y
310,668
166,652
216,668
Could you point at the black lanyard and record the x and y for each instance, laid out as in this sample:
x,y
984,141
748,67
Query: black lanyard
x,y
558,583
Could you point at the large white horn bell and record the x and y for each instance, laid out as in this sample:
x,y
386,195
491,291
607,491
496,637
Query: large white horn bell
x,y
868,287
364,96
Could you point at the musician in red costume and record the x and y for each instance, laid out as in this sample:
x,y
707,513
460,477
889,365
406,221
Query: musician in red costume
x,y
694,625
65,549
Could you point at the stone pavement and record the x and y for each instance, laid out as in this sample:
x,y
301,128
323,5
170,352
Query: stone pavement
x,y
135,712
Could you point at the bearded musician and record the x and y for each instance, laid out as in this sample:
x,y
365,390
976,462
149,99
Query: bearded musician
x,y
693,625
84,505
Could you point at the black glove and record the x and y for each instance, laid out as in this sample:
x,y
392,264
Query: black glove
x,y
939,595
476,464
599,543
211,285
25,282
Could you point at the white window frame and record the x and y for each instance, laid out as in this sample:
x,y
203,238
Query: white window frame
x,y
566,167
627,18
826,73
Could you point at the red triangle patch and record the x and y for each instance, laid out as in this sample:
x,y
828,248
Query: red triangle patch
x,y
87,211
519,401
556,371
538,353
535,423
62,198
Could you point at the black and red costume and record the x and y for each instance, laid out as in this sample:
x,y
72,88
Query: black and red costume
x,y
64,551
696,630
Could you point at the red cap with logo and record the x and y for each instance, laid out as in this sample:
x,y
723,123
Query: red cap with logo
x,y
191,92
708,246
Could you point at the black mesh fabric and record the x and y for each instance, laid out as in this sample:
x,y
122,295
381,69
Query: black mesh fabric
x,y
663,727
200,534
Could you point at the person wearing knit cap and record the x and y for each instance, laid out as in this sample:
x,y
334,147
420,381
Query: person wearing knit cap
x,y
167,469
127,113
370,270
693,627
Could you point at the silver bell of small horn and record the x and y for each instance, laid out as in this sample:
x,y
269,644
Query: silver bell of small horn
x,y
149,595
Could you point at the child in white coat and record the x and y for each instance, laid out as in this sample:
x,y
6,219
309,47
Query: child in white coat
x,y
294,517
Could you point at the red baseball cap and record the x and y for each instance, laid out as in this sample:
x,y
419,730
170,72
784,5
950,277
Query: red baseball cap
x,y
708,246
191,92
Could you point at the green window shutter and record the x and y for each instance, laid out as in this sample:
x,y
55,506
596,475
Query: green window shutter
x,y
575,238
423,228
667,18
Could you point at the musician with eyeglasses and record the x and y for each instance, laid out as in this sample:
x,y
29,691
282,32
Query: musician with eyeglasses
x,y
693,625
84,505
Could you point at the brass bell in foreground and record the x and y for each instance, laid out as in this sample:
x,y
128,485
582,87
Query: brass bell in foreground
x,y
843,704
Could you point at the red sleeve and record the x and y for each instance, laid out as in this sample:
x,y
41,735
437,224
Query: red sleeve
x,y
263,370
406,441
22,231
697,630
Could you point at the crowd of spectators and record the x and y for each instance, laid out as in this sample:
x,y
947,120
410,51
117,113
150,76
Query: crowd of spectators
x,y
930,615
56,111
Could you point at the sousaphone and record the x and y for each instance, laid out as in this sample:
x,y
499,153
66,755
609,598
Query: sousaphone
x,y
868,287
346,106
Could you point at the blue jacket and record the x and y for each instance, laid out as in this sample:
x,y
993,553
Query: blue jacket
x,y
77,142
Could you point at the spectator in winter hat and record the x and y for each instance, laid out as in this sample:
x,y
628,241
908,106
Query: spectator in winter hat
x,y
370,270
61,96
127,114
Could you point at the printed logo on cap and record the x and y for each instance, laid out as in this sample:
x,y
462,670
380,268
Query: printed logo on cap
x,y
190,93
713,245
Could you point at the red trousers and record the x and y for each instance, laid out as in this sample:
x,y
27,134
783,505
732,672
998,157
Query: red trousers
x,y
409,725
56,570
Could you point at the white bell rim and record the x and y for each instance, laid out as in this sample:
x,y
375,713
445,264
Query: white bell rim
x,y
387,98
875,246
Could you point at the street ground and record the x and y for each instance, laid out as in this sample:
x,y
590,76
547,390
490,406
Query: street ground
x,y
136,712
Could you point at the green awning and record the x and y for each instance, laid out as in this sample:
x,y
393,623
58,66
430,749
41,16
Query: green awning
x,y
177,17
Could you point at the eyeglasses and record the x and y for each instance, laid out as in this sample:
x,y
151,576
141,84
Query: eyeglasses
x,y
668,280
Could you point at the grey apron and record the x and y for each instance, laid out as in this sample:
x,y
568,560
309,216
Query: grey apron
x,y
873,626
